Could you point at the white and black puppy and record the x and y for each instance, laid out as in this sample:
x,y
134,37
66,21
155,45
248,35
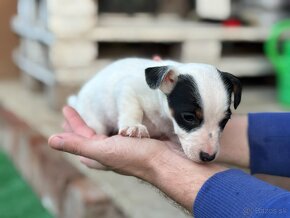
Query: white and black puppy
x,y
145,98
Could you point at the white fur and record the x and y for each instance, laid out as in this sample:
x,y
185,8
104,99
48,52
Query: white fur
x,y
119,99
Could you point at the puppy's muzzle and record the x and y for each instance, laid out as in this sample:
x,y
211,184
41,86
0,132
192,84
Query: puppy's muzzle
x,y
206,157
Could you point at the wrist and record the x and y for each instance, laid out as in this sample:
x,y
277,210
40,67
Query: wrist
x,y
180,178
234,142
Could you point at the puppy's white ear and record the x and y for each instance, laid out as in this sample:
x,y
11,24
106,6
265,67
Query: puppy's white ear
x,y
163,77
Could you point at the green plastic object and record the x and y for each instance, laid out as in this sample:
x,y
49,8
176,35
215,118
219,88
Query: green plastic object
x,y
280,58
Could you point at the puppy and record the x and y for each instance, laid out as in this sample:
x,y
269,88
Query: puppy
x,y
145,98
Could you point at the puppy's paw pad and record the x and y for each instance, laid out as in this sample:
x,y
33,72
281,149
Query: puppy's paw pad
x,y
138,131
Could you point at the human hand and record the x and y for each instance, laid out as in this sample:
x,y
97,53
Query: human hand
x,y
129,156
157,162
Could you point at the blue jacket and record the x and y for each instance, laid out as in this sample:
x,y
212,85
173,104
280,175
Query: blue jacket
x,y
233,193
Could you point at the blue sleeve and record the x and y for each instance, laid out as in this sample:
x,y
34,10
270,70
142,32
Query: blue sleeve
x,y
233,193
269,140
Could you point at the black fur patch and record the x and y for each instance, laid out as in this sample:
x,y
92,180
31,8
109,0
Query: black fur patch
x,y
232,85
154,76
186,104
225,120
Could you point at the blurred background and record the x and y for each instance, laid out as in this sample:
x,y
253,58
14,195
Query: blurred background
x,y
49,48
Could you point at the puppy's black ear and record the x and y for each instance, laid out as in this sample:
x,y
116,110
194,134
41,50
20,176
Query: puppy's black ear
x,y
163,77
233,85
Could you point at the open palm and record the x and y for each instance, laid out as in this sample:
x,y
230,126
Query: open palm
x,y
124,155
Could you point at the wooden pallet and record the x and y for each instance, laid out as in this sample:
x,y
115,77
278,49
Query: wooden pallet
x,y
195,42
59,51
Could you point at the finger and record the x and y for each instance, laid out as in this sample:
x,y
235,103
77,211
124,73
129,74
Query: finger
x,y
92,164
66,126
78,145
76,123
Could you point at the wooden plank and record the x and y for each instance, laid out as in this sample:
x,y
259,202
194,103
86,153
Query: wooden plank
x,y
169,29
112,28
206,51
251,65
216,10
176,33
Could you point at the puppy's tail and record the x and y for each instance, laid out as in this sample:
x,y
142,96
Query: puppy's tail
x,y
72,101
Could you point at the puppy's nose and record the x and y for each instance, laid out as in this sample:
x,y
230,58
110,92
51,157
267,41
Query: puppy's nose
x,y
205,157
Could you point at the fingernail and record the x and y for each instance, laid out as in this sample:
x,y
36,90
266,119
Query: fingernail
x,y
56,142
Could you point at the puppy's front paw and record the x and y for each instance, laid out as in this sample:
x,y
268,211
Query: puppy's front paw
x,y
138,131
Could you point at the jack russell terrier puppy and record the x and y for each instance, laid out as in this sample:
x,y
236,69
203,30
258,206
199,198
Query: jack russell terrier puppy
x,y
146,98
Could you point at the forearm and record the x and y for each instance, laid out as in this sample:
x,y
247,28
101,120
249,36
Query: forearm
x,y
234,142
269,137
179,178
258,141
233,193
208,190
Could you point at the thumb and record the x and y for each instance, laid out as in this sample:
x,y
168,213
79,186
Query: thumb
x,y
73,143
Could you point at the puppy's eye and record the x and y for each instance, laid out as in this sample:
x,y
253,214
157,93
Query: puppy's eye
x,y
188,117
